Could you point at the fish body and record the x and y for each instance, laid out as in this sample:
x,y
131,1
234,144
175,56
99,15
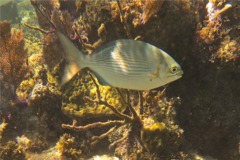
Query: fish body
x,y
123,63
5,2
9,11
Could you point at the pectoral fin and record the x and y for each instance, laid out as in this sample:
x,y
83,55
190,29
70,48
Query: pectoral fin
x,y
156,73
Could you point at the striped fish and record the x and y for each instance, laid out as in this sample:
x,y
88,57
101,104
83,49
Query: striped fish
x,y
123,63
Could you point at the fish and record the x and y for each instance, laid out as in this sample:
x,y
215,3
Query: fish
x,y
9,11
5,2
123,63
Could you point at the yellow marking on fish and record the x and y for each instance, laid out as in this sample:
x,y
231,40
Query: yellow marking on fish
x,y
156,74
123,63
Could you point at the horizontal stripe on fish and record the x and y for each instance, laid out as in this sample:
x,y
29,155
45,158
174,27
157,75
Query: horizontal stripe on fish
x,y
129,70
123,63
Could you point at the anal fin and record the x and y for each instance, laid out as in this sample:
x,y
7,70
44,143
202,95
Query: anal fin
x,y
101,80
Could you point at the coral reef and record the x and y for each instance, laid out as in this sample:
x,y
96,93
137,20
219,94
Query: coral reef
x,y
33,39
69,147
133,135
150,8
26,95
2,127
193,118
217,32
44,102
209,111
77,107
13,56
13,66
11,150
35,144
121,23
132,141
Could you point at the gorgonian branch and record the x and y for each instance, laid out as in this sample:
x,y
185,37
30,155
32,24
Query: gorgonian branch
x,y
92,125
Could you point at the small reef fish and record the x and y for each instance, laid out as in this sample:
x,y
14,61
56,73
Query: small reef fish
x,y
123,63
5,2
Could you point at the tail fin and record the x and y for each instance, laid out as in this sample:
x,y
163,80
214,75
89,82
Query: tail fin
x,y
73,58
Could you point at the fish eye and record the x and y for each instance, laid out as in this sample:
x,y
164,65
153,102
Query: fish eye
x,y
174,69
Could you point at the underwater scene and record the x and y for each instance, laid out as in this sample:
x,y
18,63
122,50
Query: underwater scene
x,y
119,79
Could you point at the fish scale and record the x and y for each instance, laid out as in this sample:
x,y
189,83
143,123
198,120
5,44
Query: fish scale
x,y
133,65
123,63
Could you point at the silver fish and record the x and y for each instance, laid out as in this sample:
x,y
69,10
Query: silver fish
x,y
123,63
5,2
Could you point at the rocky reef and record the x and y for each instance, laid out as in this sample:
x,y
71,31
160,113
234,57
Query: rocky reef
x,y
196,117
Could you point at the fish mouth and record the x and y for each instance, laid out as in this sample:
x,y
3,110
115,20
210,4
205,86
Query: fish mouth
x,y
180,73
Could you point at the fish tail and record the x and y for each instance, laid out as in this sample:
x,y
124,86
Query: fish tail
x,y
74,58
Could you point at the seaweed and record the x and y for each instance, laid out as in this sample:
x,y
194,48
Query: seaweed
x,y
11,150
13,57
13,66
69,147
